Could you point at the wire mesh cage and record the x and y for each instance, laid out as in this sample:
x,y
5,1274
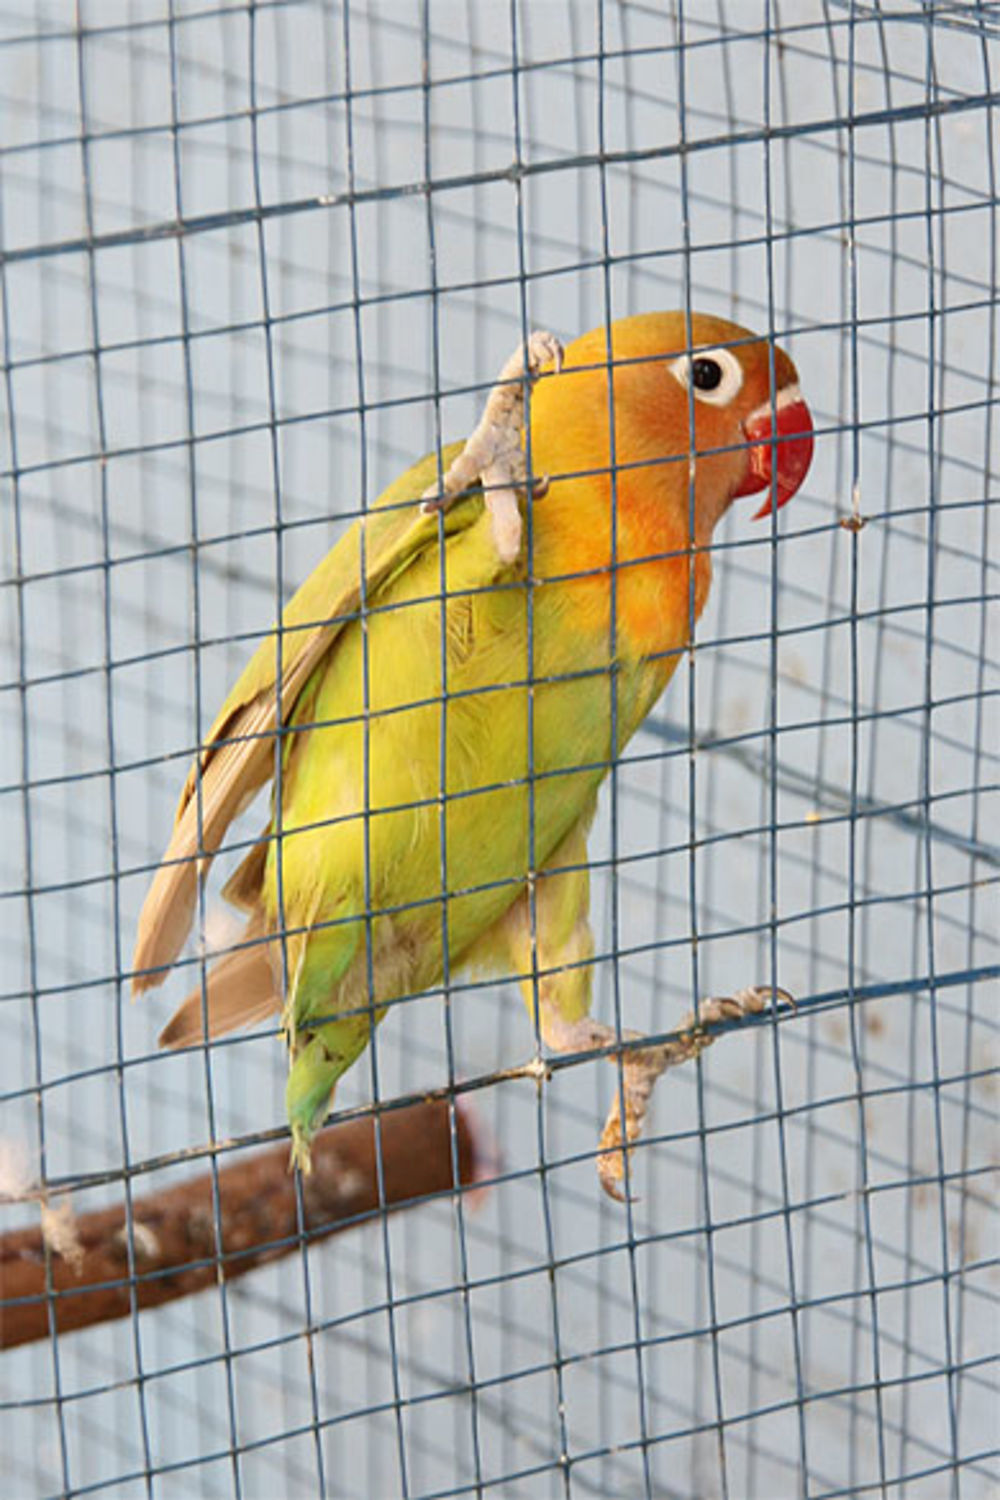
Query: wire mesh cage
x,y
257,258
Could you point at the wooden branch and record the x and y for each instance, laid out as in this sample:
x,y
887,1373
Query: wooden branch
x,y
176,1248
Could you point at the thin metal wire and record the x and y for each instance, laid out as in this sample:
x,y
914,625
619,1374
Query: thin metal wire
x,y
196,616
935,255
721,1479
557,1395
444,768
614,736
975,820
25,811
865,1274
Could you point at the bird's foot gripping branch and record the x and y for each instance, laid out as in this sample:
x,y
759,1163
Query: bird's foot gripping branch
x,y
642,1066
494,456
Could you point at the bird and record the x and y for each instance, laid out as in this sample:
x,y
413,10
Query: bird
x,y
446,693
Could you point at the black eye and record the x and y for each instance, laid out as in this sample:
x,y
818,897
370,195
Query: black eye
x,y
712,375
706,374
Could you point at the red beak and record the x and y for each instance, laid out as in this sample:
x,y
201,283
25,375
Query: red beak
x,y
780,438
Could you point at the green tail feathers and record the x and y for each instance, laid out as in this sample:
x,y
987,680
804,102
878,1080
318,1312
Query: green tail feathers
x,y
312,1078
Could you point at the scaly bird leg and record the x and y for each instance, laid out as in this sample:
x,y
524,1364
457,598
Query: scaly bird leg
x,y
642,1066
547,941
493,454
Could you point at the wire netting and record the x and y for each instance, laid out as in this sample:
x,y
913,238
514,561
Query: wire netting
x,y
255,259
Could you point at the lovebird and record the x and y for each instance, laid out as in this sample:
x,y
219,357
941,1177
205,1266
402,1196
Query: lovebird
x,y
448,690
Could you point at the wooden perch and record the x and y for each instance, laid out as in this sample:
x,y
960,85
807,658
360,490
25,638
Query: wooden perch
x,y
176,1249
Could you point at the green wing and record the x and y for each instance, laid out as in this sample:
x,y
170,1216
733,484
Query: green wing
x,y
237,757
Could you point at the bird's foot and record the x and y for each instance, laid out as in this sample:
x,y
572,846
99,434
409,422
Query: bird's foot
x,y
493,454
642,1066
588,1035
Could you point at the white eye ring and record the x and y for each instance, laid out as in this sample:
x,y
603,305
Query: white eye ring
x,y
731,377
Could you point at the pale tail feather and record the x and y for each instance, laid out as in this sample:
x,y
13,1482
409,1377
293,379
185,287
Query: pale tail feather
x,y
231,776
234,775
241,992
243,887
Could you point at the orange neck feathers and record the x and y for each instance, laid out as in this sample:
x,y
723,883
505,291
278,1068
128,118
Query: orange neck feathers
x,y
658,595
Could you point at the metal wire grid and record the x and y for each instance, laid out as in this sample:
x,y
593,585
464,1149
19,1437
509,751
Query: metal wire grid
x,y
255,258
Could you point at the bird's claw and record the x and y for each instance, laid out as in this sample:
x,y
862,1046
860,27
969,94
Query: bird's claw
x,y
640,1068
542,348
754,1000
300,1155
694,1035
493,454
611,1173
614,1150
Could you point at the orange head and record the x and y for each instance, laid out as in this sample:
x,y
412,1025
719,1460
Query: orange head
x,y
708,396
703,413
